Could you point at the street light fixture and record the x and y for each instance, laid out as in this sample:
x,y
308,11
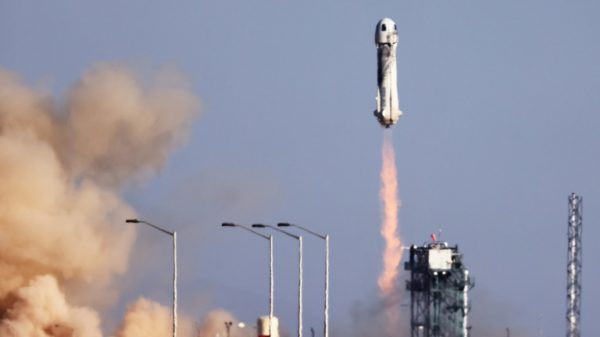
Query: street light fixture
x,y
299,238
271,282
228,325
326,238
174,235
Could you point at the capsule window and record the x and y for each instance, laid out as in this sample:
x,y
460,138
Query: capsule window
x,y
383,28
395,28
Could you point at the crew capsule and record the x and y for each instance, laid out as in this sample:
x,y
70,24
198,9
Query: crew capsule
x,y
387,108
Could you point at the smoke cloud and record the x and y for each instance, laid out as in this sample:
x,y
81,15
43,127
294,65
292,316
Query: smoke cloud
x,y
370,317
150,319
40,309
62,165
117,129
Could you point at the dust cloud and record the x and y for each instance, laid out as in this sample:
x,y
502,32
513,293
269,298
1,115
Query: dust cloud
x,y
62,167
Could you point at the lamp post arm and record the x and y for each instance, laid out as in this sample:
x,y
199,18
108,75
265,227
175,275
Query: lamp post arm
x,y
297,237
156,227
254,232
309,231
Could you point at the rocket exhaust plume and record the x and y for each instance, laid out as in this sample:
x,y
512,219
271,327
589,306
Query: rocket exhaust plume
x,y
392,254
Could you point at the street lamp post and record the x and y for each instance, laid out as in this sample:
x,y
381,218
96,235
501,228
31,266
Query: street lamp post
x,y
228,325
271,281
174,235
326,238
299,238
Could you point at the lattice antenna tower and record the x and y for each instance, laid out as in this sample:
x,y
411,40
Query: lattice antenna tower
x,y
574,266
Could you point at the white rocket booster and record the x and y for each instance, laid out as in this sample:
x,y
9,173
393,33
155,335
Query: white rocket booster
x,y
386,39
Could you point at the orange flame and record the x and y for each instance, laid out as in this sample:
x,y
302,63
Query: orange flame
x,y
392,254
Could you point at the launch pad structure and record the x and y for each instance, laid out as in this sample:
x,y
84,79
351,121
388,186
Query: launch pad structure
x,y
439,284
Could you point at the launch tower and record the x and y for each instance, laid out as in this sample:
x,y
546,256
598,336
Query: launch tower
x,y
439,285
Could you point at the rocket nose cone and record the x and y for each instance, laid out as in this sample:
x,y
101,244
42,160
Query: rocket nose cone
x,y
386,21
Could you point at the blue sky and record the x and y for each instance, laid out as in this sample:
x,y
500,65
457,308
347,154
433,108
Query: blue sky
x,y
501,124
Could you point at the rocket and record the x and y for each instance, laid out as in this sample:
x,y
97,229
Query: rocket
x,y
386,40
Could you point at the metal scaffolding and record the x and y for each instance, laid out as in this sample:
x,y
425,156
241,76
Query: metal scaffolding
x,y
574,265
439,286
